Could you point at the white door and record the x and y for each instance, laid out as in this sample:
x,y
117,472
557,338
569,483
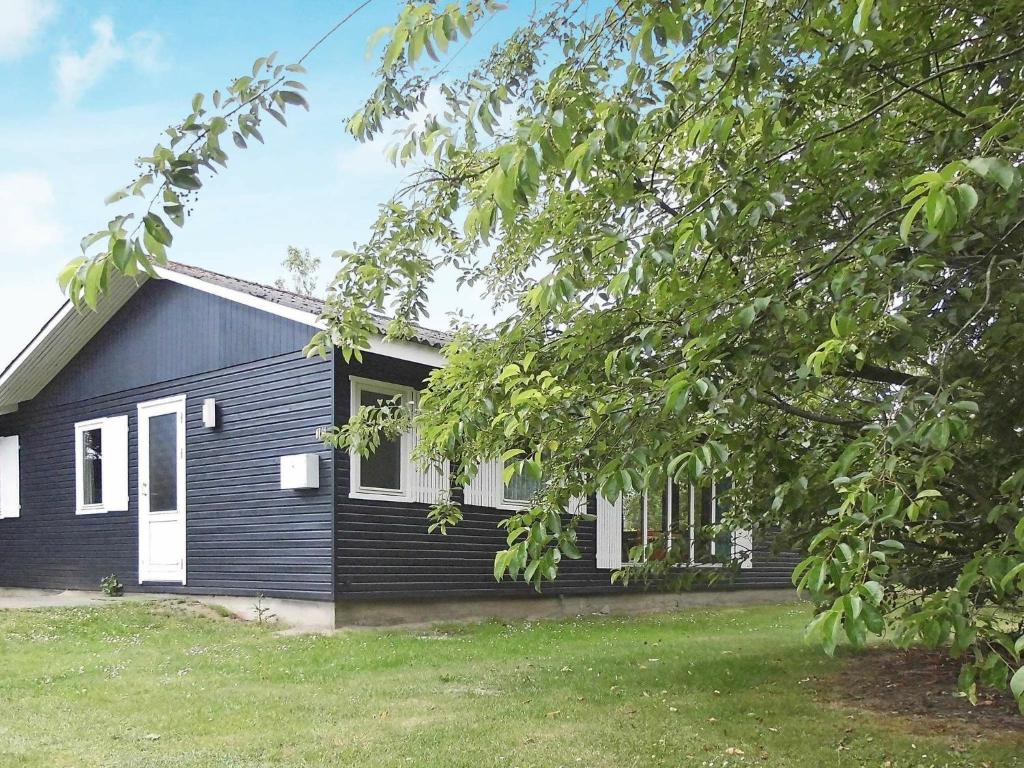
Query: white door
x,y
162,490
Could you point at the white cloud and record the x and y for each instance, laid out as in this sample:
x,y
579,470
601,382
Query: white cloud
x,y
20,22
368,158
28,216
77,73
145,50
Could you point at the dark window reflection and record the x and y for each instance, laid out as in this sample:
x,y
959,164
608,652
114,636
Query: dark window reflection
x,y
92,467
383,468
163,462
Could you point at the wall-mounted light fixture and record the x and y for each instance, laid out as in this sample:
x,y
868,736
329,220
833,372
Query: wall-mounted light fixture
x,y
209,413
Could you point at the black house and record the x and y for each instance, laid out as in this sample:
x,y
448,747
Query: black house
x,y
171,438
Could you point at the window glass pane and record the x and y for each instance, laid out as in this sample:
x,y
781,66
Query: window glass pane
x,y
521,487
92,466
369,398
723,542
632,522
657,510
383,468
703,513
679,517
163,462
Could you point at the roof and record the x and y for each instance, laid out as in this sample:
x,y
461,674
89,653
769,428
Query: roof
x,y
295,301
69,330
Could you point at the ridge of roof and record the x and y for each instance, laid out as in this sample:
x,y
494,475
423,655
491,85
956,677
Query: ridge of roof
x,y
293,300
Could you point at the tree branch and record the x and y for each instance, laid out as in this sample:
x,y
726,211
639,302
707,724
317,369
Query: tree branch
x,y
793,410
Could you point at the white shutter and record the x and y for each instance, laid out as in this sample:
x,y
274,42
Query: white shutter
x,y
743,548
488,487
609,532
115,463
427,484
10,477
577,505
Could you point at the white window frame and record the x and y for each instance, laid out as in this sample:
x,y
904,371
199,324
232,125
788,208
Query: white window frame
x,y
356,490
694,514
10,477
503,501
691,528
81,508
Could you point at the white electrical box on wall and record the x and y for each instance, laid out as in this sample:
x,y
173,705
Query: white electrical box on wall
x,y
301,470
210,413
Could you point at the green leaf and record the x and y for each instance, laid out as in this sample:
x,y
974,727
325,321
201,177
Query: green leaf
x,y
863,16
114,197
874,591
1017,684
69,271
747,315
908,219
995,169
90,240
121,254
94,278
967,197
291,97
1012,574
156,229
185,179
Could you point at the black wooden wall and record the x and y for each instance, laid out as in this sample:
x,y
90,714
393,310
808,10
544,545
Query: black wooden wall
x,y
383,549
244,534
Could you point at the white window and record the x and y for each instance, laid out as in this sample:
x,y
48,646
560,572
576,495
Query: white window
x,y
656,521
386,473
10,477
101,465
519,489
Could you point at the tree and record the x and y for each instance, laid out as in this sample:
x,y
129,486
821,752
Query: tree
x,y
302,268
782,243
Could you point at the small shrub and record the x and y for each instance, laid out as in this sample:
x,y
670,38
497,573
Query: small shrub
x,y
111,586
262,612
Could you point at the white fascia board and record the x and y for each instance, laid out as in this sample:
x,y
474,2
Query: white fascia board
x,y
399,349
407,350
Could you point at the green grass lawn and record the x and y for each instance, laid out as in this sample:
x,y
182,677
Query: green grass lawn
x,y
141,684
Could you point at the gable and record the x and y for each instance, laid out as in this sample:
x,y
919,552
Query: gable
x,y
167,331
217,334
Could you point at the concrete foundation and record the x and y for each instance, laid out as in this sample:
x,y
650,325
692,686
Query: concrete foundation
x,y
316,616
300,614
418,612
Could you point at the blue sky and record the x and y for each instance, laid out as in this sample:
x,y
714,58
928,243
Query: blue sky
x,y
88,85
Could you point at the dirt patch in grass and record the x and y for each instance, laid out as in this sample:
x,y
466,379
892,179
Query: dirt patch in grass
x,y
189,609
919,687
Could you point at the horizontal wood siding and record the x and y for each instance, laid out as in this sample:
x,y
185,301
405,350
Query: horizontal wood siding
x,y
244,535
383,549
